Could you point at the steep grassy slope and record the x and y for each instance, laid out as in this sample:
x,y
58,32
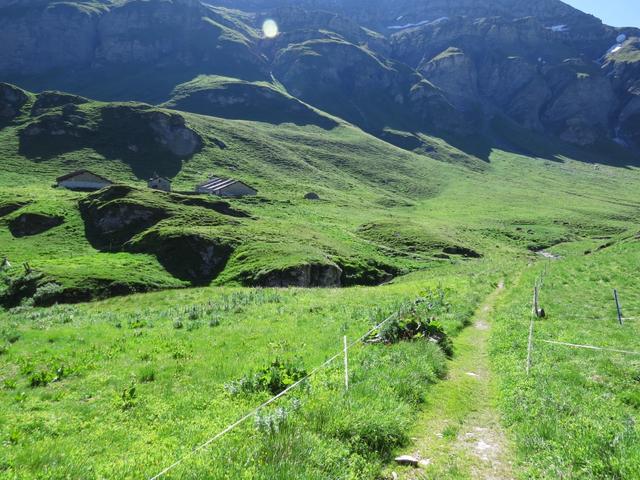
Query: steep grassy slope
x,y
383,211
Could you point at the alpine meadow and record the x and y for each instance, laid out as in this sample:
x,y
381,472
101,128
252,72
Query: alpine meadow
x,y
318,240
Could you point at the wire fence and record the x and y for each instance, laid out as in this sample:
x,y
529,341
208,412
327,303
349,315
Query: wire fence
x,y
250,414
538,312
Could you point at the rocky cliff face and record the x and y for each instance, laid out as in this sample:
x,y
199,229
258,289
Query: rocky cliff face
x,y
432,66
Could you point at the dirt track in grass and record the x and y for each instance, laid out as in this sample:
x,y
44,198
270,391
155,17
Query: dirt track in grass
x,y
459,436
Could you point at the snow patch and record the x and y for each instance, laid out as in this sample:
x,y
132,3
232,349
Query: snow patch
x,y
559,28
419,24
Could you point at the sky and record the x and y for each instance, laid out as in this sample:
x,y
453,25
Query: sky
x,y
619,13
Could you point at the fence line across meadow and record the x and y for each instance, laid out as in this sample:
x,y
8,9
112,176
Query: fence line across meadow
x,y
591,347
244,418
538,312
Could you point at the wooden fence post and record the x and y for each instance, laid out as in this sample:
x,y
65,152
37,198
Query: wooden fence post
x,y
530,347
346,364
615,296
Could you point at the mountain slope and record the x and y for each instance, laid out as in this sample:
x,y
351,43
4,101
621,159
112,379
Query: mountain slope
x,y
396,69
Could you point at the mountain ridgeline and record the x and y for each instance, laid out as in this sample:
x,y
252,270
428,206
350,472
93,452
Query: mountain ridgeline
x,y
397,69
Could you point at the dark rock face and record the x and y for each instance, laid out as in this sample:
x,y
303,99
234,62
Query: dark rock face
x,y
38,36
10,207
580,113
28,224
49,100
623,68
111,219
12,99
304,276
463,251
455,74
353,83
167,131
187,256
444,67
41,37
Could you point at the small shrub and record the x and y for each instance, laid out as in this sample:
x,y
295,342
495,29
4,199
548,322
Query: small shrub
x,y
147,374
40,379
274,378
4,349
9,384
272,422
47,294
417,320
11,335
193,325
44,377
214,322
128,397
178,324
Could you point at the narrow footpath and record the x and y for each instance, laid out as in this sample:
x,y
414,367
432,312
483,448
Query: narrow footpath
x,y
459,435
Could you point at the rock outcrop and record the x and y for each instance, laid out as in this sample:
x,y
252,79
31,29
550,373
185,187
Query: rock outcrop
x,y
353,83
443,67
232,98
188,256
112,218
12,99
27,224
326,275
48,100
455,74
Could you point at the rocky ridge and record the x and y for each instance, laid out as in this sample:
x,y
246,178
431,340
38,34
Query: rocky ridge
x,y
437,67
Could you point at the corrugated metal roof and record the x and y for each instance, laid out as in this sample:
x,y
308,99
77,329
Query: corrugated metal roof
x,y
216,183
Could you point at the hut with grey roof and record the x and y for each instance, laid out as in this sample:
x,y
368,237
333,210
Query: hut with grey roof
x,y
225,187
159,183
82,180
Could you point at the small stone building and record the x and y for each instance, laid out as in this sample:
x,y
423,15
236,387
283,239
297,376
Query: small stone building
x,y
159,183
82,180
225,187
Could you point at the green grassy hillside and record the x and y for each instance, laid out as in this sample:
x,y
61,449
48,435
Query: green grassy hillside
x,y
383,211
142,379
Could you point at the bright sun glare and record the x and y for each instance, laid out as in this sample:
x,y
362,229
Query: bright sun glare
x,y
270,28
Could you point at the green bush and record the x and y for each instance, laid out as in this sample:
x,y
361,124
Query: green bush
x,y
418,320
47,294
274,378
147,374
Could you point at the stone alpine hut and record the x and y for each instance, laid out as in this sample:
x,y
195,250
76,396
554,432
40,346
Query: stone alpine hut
x,y
159,183
82,180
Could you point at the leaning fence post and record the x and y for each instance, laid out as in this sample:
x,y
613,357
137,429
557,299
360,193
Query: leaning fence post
x,y
346,364
536,310
615,296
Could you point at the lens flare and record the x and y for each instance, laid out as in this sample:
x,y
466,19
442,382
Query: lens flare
x,y
270,28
